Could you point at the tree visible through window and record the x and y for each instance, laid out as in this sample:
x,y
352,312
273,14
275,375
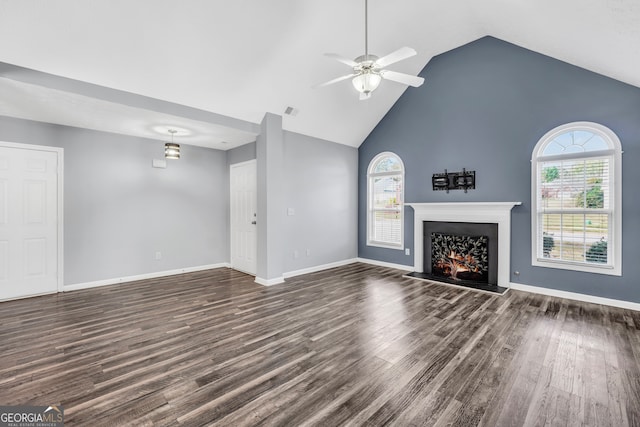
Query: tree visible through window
x,y
576,198
385,201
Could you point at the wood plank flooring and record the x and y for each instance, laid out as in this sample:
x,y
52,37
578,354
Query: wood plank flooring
x,y
355,346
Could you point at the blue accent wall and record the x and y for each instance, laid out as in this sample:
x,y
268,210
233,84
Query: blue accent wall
x,y
483,107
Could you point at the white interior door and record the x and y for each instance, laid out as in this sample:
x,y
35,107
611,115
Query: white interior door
x,y
243,216
28,222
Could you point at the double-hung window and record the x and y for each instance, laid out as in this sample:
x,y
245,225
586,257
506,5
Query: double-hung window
x,y
576,216
385,199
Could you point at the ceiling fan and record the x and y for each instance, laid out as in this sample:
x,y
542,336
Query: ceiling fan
x,y
369,70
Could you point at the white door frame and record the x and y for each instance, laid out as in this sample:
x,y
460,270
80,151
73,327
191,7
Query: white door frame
x,y
60,213
239,164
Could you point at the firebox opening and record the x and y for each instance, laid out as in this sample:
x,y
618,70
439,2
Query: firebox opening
x,y
460,257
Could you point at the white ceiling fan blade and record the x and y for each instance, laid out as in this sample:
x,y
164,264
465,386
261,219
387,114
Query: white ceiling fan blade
x,y
336,80
405,79
393,57
349,62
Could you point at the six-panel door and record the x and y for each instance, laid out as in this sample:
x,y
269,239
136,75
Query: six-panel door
x,y
28,222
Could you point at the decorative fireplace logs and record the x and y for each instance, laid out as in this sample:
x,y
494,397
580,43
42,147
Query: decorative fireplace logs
x,y
465,180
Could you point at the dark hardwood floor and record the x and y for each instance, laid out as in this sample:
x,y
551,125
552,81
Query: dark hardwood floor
x,y
355,345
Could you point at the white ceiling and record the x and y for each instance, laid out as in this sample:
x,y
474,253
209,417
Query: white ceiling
x,y
243,58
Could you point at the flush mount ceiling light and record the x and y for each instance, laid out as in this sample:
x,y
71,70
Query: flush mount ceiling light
x,y
180,131
171,149
368,69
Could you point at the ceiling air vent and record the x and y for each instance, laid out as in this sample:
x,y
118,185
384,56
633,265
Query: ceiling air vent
x,y
290,111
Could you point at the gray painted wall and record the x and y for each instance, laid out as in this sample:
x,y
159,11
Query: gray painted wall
x,y
241,154
321,186
118,210
484,106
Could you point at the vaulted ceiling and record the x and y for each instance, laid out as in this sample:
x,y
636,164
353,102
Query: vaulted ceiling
x,y
243,58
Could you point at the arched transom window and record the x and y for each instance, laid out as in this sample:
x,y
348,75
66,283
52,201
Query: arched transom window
x,y
385,219
576,218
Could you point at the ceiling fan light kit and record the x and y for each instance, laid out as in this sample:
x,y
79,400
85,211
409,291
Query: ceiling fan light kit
x,y
368,70
367,81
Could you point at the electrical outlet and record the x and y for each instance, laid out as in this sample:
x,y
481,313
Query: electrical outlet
x,y
407,251
308,252
158,255
296,254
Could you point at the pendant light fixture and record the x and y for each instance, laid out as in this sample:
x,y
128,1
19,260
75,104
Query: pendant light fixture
x,y
171,149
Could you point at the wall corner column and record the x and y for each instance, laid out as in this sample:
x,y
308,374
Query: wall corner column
x,y
270,177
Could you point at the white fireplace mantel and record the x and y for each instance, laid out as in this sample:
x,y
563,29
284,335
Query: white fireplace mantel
x,y
485,212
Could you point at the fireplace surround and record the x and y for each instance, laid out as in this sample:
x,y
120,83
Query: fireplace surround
x,y
466,212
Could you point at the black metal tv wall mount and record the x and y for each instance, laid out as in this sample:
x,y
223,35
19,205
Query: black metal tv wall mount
x,y
465,180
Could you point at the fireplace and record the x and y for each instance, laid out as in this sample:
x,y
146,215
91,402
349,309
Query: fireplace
x,y
466,224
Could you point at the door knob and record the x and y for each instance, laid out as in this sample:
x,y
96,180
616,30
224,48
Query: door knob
x,y
253,222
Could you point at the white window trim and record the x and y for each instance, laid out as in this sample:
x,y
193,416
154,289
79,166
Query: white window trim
x,y
370,211
615,232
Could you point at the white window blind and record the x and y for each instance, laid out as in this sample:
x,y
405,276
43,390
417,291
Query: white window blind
x,y
574,210
385,201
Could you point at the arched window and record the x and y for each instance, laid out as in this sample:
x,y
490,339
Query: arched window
x,y
576,199
385,201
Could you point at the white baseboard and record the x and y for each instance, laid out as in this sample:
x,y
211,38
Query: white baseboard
x,y
155,275
319,268
576,296
386,264
269,282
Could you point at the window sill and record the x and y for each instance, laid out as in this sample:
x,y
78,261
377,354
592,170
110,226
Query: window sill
x,y
386,246
610,270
